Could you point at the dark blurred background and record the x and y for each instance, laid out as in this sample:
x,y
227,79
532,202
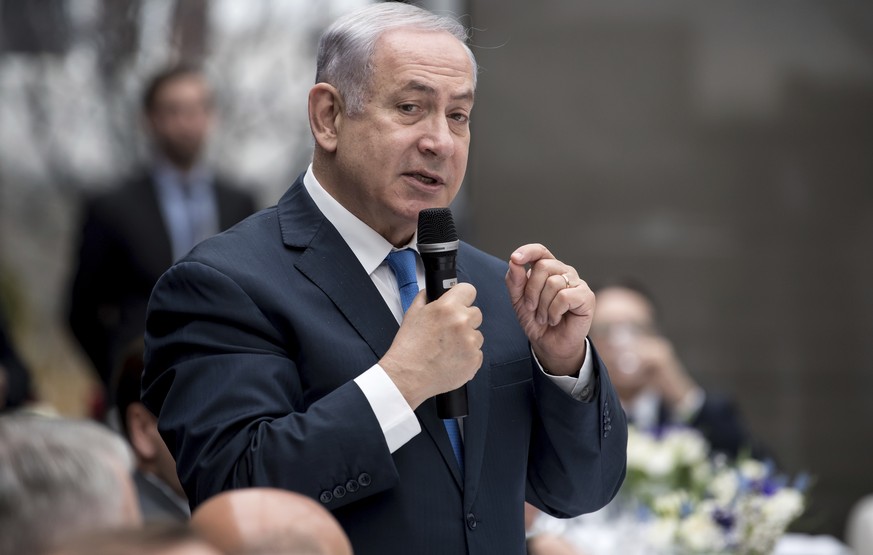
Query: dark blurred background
x,y
720,153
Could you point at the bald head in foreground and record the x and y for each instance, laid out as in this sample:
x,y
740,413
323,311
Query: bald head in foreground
x,y
267,521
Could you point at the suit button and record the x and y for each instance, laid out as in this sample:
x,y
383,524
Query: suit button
x,y
325,497
364,480
471,521
339,492
606,433
352,486
608,427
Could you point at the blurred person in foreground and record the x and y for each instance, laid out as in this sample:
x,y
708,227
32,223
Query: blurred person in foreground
x,y
268,521
60,479
133,233
153,539
859,526
279,354
160,494
15,382
654,387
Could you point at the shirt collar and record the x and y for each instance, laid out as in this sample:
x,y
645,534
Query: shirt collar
x,y
167,173
369,247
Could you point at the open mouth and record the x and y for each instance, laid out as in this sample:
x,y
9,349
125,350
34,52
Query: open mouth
x,y
426,179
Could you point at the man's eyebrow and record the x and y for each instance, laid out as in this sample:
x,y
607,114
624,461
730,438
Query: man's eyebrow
x,y
418,86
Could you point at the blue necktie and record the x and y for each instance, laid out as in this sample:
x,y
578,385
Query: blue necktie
x,y
403,265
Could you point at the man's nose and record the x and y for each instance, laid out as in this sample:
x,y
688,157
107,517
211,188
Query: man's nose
x,y
437,139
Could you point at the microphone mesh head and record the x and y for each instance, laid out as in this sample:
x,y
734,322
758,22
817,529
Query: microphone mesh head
x,y
435,225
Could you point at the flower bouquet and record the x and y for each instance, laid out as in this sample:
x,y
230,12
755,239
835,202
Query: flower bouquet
x,y
689,502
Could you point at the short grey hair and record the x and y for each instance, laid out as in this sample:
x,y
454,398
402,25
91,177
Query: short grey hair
x,y
345,51
58,478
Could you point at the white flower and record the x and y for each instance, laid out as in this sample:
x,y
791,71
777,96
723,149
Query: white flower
x,y
751,469
702,474
639,449
660,463
670,504
688,446
661,533
699,532
724,486
783,506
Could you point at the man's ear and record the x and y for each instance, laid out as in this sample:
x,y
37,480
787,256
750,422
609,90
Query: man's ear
x,y
325,110
142,428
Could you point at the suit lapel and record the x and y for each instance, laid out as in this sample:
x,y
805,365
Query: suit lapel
x,y
154,226
332,266
334,269
433,425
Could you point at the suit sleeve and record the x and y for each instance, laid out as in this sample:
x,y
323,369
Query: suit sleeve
x,y
578,450
231,405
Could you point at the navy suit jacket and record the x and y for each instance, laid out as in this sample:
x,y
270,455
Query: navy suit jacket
x,y
252,345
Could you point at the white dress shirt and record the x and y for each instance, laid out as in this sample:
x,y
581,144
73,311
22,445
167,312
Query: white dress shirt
x,y
395,416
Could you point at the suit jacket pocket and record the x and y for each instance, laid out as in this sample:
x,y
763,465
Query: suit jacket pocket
x,y
511,373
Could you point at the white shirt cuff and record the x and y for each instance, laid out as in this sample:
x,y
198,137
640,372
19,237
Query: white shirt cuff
x,y
578,388
396,418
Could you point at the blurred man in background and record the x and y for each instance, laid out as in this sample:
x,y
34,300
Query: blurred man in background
x,y
60,479
160,494
650,379
133,233
266,521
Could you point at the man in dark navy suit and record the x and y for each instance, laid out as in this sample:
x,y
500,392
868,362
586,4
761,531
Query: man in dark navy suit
x,y
292,352
133,233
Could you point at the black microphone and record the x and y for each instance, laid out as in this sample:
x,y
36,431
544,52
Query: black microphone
x,y
438,247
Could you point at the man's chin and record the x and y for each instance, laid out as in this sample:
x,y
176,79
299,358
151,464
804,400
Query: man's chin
x,y
183,158
430,201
